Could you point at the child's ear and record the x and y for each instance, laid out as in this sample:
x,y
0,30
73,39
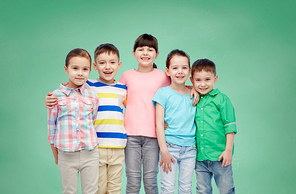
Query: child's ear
x,y
119,65
95,66
191,79
215,79
66,69
134,53
157,54
167,71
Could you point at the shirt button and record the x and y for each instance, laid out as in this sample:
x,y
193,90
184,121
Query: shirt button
x,y
202,148
201,135
201,121
201,108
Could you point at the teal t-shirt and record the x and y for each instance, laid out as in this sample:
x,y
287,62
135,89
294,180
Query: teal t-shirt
x,y
179,115
214,118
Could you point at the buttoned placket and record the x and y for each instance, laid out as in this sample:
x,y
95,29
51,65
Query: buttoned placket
x,y
202,125
77,118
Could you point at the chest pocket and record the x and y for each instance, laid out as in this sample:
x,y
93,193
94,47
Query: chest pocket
x,y
64,106
87,106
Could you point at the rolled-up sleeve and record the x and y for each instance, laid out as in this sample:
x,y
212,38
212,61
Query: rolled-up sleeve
x,y
228,116
52,123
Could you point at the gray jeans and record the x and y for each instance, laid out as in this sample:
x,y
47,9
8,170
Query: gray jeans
x,y
141,150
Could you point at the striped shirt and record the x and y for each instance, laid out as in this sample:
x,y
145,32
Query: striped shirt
x,y
109,123
70,122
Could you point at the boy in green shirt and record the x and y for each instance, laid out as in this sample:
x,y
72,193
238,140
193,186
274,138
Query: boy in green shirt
x,y
216,126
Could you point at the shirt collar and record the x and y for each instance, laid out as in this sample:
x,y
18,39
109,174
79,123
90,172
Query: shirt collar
x,y
67,90
213,92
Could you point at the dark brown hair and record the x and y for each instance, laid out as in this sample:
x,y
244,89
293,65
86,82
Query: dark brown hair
x,y
146,40
203,64
178,53
106,48
78,52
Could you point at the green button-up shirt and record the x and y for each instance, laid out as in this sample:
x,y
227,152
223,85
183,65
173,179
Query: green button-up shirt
x,y
214,118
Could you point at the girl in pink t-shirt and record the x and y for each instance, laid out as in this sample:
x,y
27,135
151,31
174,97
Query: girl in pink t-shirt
x,y
139,117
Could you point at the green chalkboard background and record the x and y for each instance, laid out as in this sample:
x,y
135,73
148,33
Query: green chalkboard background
x,y
252,43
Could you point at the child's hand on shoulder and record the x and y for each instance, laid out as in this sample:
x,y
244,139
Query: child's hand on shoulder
x,y
165,161
227,158
195,95
50,100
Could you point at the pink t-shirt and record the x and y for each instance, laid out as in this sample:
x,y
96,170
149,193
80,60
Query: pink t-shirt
x,y
139,116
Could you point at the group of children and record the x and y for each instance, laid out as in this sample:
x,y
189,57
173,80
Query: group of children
x,y
89,133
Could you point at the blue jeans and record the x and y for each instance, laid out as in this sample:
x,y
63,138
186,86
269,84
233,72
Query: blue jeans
x,y
141,150
223,177
185,157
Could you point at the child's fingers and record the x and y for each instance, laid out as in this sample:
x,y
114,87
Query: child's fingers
x,y
173,160
49,94
225,163
191,95
220,158
195,101
164,168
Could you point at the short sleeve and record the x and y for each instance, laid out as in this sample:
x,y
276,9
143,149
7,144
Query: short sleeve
x,y
122,78
159,98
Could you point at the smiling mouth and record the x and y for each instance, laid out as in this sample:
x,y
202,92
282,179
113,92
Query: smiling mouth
x,y
108,73
145,58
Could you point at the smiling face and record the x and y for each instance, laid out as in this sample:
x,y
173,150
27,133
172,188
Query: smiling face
x,y
78,70
178,70
145,56
203,81
107,66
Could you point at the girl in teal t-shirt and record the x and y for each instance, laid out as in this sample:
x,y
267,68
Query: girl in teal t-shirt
x,y
177,143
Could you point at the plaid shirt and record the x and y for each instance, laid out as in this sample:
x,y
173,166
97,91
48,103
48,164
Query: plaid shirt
x,y
70,122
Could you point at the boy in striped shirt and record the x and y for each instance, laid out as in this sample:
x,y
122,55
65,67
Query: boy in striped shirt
x,y
109,123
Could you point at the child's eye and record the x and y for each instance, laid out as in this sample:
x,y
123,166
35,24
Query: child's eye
x,y
85,69
75,68
101,63
208,79
185,68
